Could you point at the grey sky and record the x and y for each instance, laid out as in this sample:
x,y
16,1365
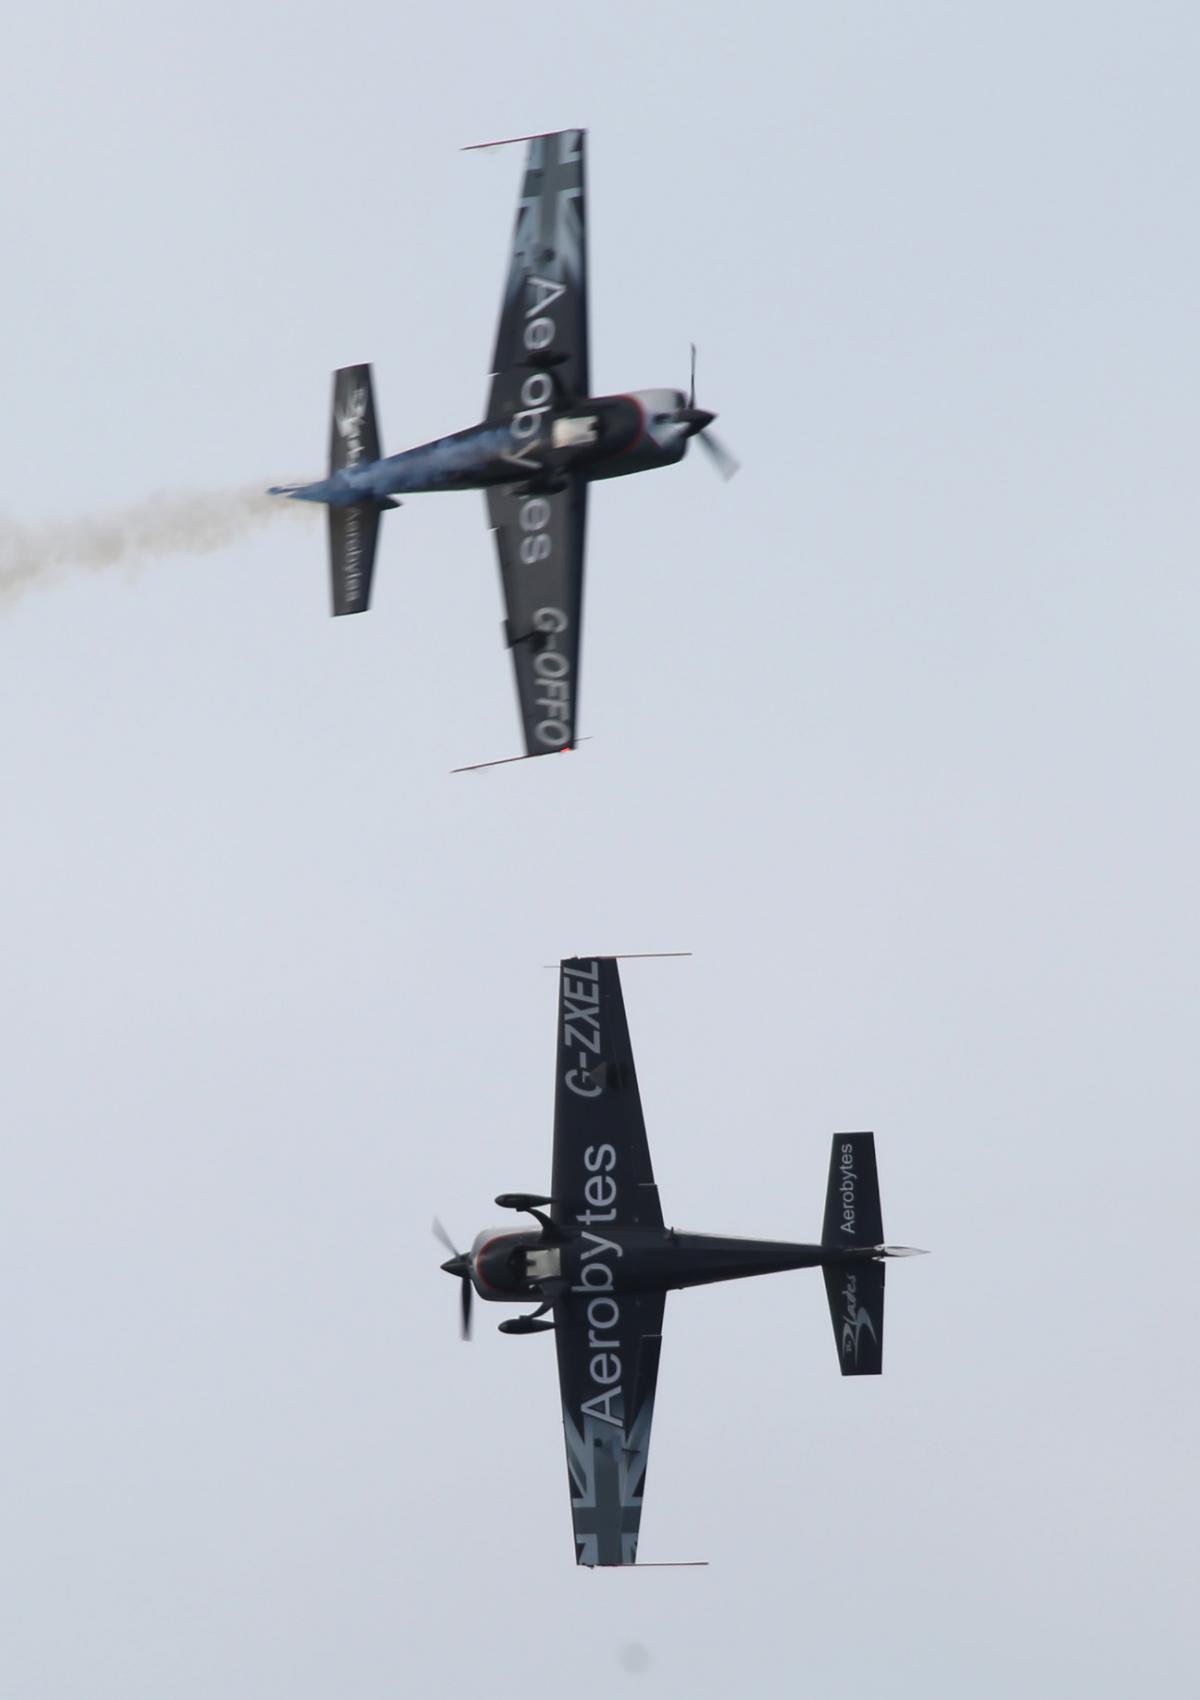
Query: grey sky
x,y
895,732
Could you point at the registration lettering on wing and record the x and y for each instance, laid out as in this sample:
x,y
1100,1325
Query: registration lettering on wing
x,y
552,674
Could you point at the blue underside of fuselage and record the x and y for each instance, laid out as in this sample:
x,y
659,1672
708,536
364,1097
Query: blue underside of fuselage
x,y
469,460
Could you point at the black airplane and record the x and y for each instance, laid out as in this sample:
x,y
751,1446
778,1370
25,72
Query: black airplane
x,y
544,439
600,1262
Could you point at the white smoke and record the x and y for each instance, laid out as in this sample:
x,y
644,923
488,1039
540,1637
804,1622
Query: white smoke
x,y
195,524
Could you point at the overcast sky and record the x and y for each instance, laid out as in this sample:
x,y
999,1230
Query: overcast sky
x,y
896,732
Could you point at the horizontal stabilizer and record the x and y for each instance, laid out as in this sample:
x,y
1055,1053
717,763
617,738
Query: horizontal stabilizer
x,y
353,535
856,1306
853,1217
354,432
353,531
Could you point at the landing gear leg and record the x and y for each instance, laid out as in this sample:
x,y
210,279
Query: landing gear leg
x,y
527,1324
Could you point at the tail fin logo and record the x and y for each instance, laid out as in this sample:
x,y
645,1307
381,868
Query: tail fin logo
x,y
350,421
854,1320
846,1188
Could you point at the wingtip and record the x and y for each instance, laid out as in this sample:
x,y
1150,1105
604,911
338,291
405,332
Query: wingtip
x,y
664,1564
531,755
507,141
617,956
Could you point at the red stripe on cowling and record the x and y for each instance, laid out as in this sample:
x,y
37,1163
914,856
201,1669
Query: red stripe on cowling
x,y
641,430
478,1259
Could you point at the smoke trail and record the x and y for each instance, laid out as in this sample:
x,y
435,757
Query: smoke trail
x,y
193,524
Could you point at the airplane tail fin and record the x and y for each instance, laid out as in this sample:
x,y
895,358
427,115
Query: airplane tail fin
x,y
353,531
854,1221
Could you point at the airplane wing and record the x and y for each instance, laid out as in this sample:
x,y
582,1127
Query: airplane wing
x,y
543,315
608,1346
540,540
602,1171
607,1425
540,363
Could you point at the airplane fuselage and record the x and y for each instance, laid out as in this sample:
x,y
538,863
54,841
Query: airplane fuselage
x,y
523,1265
603,437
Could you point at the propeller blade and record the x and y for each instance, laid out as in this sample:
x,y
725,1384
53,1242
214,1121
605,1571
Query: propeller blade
x,y
725,463
692,384
440,1233
457,1264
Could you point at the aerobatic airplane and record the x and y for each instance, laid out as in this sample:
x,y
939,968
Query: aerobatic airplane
x,y
544,439
600,1261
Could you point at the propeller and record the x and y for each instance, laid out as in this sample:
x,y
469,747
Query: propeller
x,y
458,1263
700,421
725,463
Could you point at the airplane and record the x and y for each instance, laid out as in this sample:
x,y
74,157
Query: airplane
x,y
544,439
601,1261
